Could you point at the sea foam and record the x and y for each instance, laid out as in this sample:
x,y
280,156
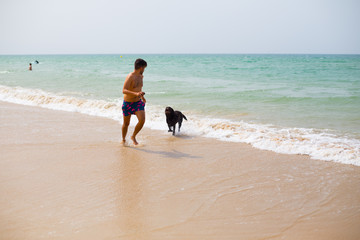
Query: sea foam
x,y
319,144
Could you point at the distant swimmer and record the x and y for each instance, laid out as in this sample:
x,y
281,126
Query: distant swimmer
x,y
30,67
36,61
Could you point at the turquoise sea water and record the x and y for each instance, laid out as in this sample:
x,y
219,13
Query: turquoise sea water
x,y
320,92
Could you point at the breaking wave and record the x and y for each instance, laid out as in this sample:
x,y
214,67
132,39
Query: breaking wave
x,y
319,144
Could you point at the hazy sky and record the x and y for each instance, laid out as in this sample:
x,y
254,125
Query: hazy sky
x,y
179,26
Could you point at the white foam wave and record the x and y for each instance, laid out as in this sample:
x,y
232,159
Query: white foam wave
x,y
36,97
319,144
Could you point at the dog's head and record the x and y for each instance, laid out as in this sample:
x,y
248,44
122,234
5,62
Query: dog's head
x,y
169,111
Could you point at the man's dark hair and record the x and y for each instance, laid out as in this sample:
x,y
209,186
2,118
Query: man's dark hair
x,y
140,63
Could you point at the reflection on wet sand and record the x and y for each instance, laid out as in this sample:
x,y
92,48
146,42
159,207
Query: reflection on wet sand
x,y
131,199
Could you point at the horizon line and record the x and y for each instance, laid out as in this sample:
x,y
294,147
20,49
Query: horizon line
x,y
42,54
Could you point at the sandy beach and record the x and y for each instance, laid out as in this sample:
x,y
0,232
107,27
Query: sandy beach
x,y
66,176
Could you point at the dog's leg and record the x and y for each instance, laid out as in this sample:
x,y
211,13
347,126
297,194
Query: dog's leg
x,y
174,127
169,128
180,122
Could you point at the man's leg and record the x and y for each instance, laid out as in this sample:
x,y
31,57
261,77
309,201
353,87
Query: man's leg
x,y
125,126
141,117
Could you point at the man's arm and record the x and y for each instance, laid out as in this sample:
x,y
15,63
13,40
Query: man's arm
x,y
126,87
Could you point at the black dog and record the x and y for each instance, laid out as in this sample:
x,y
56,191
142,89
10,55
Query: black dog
x,y
172,118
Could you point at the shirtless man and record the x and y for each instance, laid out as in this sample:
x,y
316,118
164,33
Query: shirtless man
x,y
134,101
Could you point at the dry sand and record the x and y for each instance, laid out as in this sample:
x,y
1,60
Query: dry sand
x,y
66,176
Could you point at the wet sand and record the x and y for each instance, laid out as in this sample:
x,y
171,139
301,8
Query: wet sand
x,y
67,176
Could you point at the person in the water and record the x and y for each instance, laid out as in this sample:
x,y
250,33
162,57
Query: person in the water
x,y
30,67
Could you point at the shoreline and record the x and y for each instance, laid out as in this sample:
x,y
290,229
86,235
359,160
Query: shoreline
x,y
66,176
322,144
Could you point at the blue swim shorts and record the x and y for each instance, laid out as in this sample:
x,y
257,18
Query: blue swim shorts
x,y
129,108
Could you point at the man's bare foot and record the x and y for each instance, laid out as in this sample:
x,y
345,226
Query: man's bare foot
x,y
134,140
124,142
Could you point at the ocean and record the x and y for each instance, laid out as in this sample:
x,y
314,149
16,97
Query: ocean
x,y
295,104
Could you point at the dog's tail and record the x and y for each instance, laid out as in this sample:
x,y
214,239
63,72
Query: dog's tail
x,y
184,116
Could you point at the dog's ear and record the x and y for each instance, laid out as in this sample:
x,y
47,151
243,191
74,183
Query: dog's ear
x,y
169,109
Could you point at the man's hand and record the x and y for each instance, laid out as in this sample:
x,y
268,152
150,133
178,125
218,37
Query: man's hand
x,y
140,94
